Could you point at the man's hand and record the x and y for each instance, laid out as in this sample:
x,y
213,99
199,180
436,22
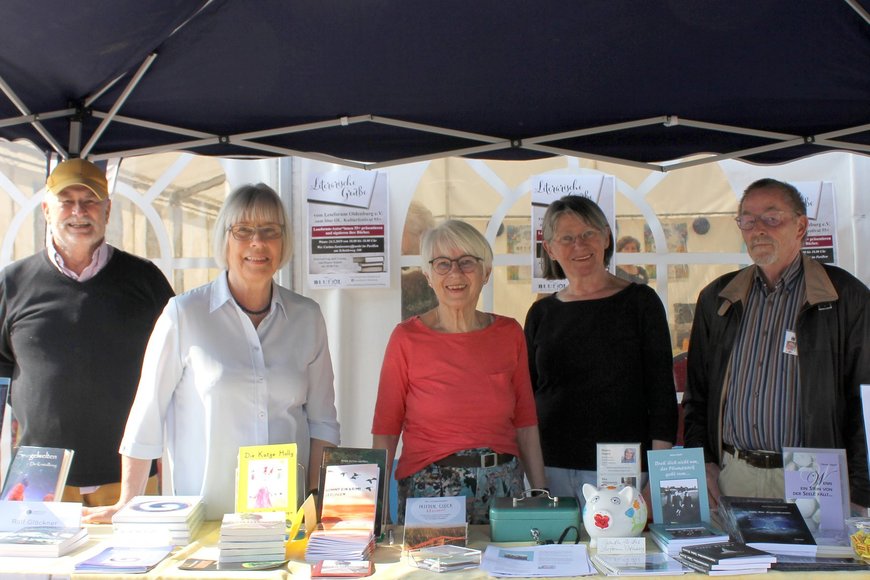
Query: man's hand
x,y
100,514
713,484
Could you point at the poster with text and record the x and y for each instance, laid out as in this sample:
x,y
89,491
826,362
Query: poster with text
x,y
348,214
548,188
821,241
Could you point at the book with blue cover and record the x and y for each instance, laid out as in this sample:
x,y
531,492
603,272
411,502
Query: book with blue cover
x,y
37,474
678,486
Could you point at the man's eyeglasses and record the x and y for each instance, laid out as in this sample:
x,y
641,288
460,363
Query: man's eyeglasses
x,y
245,233
772,219
467,264
568,240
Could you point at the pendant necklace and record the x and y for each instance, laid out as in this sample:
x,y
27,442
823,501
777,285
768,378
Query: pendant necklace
x,y
255,312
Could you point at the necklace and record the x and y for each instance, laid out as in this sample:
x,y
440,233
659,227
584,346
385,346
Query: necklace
x,y
255,312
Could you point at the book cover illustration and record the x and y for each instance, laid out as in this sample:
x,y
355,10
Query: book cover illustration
x,y
678,486
767,524
350,496
267,478
357,456
435,521
37,474
163,509
817,481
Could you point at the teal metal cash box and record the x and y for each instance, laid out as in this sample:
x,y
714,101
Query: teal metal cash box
x,y
514,519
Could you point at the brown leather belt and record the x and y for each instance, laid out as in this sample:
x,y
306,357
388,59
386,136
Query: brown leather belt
x,y
477,460
761,459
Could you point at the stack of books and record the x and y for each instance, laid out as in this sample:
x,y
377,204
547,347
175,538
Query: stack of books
x,y
171,520
253,537
41,541
672,538
347,522
728,558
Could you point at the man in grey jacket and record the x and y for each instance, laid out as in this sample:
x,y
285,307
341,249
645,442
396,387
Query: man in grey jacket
x,y
777,355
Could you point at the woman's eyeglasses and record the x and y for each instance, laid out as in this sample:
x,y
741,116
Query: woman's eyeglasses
x,y
467,264
568,240
245,233
771,219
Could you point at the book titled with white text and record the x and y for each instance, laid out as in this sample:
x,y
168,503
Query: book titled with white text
x,y
267,479
772,525
37,474
678,486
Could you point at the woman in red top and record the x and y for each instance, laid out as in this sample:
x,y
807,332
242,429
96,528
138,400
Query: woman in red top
x,y
455,386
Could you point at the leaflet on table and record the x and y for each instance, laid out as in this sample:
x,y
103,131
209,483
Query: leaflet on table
x,y
618,464
348,227
549,187
817,480
550,561
56,514
820,242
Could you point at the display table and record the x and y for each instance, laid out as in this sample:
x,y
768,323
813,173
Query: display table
x,y
389,562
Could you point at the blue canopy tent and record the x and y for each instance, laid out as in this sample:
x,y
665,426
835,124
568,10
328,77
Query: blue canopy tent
x,y
378,83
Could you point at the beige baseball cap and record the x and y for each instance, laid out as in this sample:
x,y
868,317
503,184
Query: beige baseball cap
x,y
78,172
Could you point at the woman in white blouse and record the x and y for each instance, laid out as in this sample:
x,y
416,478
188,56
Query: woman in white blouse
x,y
239,361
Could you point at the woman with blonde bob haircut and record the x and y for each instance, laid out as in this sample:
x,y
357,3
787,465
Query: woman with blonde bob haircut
x,y
455,387
240,361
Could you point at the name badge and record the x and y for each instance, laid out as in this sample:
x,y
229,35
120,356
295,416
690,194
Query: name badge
x,y
789,343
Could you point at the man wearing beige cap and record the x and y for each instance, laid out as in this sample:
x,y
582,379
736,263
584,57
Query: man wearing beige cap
x,y
74,322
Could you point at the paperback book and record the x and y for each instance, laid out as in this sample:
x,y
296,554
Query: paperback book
x,y
124,560
346,529
672,538
772,525
41,541
817,481
678,486
267,479
342,568
357,456
160,519
727,558
37,474
435,521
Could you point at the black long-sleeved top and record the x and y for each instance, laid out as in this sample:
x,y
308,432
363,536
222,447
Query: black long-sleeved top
x,y
602,372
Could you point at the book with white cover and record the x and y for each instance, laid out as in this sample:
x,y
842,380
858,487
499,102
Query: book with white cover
x,y
655,564
40,541
124,560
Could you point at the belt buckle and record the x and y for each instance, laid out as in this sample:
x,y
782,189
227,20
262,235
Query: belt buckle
x,y
483,457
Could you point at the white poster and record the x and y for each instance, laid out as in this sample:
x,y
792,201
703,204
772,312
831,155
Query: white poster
x,y
348,230
821,241
548,188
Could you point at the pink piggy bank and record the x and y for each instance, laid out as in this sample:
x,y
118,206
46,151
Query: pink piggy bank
x,y
615,512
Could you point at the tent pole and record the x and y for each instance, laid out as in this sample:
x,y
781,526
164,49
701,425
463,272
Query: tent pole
x,y
19,104
143,68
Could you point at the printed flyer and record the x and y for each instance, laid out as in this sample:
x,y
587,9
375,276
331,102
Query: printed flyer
x,y
821,241
348,213
548,188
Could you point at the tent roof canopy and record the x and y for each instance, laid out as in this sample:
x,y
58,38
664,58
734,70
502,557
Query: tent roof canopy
x,y
373,84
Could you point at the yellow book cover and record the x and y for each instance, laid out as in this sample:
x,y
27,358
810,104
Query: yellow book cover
x,y
267,478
